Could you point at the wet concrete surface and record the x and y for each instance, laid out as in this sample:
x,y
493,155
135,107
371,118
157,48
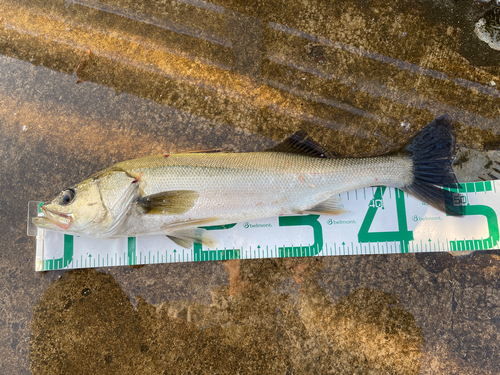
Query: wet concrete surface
x,y
361,77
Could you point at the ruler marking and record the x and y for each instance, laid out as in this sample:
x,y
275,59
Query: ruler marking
x,y
419,244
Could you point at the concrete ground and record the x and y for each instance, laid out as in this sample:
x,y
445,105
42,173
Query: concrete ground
x,y
84,84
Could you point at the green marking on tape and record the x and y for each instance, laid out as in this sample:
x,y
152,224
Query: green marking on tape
x,y
201,255
493,230
301,251
67,258
131,249
403,235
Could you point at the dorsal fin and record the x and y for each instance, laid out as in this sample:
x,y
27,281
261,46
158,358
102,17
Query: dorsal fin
x,y
300,143
210,151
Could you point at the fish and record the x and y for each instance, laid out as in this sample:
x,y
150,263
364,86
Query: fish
x,y
177,194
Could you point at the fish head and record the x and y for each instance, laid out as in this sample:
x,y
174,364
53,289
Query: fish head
x,y
96,207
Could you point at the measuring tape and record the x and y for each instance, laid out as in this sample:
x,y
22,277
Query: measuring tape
x,y
382,220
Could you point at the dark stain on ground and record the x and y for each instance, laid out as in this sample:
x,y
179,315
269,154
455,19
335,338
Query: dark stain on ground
x,y
434,263
491,145
87,323
463,158
316,52
488,164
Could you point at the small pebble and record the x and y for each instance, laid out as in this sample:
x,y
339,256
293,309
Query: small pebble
x,y
405,125
492,83
25,128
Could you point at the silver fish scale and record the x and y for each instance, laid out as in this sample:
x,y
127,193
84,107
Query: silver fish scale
x,y
236,187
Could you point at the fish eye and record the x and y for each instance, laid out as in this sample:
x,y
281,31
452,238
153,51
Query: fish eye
x,y
67,196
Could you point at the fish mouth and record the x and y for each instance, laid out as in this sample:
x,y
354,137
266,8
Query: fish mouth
x,y
53,218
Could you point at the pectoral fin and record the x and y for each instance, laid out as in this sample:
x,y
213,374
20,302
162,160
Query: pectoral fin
x,y
332,206
186,237
173,202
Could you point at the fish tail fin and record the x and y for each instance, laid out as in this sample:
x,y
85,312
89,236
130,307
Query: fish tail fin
x,y
432,151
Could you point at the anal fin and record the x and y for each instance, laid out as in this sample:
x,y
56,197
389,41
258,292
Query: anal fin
x,y
332,206
186,237
182,243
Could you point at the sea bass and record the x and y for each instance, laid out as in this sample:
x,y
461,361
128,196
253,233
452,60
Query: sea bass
x,y
175,194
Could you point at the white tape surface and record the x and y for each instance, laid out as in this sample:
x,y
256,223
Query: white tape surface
x,y
381,221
